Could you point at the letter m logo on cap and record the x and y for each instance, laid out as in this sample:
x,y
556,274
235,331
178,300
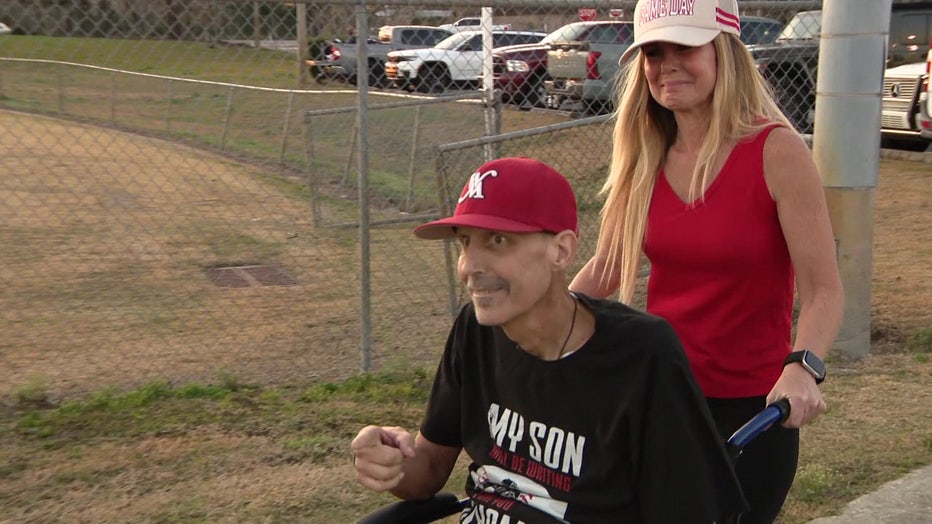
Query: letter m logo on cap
x,y
474,188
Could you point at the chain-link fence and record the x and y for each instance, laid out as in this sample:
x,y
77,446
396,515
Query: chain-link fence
x,y
181,182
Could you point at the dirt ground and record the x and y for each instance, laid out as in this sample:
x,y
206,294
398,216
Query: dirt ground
x,y
109,239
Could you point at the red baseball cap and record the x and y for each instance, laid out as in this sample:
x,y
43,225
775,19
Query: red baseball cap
x,y
512,195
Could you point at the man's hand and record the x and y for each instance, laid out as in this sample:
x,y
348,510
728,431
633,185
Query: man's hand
x,y
798,386
380,453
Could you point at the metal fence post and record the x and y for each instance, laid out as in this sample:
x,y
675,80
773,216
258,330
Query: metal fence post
x,y
113,95
61,91
351,155
284,144
168,107
852,54
301,53
312,182
362,164
256,24
412,157
228,115
450,263
488,87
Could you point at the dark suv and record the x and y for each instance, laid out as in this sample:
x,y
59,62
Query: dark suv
x,y
790,63
520,71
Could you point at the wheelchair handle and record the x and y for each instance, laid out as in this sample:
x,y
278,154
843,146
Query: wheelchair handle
x,y
774,413
417,511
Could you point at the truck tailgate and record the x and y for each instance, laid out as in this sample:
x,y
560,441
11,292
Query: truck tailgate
x,y
568,60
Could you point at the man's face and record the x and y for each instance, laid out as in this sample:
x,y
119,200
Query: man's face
x,y
506,274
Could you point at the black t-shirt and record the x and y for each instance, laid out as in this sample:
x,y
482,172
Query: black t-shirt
x,y
617,431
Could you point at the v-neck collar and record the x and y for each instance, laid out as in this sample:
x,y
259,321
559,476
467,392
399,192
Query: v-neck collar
x,y
709,190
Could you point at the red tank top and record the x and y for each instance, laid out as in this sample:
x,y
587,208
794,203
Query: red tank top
x,y
721,275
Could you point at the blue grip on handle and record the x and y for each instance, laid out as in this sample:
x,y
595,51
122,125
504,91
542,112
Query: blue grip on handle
x,y
776,412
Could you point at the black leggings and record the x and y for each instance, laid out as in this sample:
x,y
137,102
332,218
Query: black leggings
x,y
768,464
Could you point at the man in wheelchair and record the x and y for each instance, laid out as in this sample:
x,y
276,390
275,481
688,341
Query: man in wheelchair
x,y
571,409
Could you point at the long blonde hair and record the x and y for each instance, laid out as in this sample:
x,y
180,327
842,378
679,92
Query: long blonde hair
x,y
742,105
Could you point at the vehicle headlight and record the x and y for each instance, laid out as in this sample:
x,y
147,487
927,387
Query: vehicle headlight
x,y
517,66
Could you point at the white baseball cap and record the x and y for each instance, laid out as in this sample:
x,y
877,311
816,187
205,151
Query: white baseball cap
x,y
685,22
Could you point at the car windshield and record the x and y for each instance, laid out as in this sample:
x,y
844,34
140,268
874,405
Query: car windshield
x,y
452,42
567,33
804,26
759,31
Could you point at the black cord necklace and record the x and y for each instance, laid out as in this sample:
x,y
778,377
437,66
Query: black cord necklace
x,y
572,327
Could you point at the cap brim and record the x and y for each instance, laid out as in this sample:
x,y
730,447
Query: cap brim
x,y
682,35
443,228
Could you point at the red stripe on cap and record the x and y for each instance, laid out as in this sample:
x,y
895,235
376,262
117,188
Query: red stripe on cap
x,y
721,12
729,23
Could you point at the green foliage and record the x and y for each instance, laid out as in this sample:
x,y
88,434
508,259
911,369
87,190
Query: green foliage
x,y
383,387
229,381
313,448
110,411
34,424
159,408
35,392
813,483
199,391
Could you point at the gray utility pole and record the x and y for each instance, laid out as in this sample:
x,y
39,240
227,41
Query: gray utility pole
x,y
846,146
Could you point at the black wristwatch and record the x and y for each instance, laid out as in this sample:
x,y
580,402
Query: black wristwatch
x,y
809,361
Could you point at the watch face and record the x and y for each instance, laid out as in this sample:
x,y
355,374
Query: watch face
x,y
814,364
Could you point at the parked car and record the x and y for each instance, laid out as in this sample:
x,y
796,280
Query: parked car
x,y
454,61
906,109
520,71
5,29
910,33
584,70
471,23
756,30
790,63
340,57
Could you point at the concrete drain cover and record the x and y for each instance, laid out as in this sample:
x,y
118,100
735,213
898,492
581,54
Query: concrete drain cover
x,y
249,276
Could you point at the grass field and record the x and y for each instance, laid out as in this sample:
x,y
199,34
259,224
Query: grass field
x,y
119,404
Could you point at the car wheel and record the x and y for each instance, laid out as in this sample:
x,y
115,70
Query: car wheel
x,y
553,101
434,79
592,106
536,93
376,73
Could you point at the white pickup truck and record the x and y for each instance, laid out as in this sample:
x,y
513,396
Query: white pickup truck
x,y
454,61
471,23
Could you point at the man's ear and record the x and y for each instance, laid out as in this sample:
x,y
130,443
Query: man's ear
x,y
565,244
